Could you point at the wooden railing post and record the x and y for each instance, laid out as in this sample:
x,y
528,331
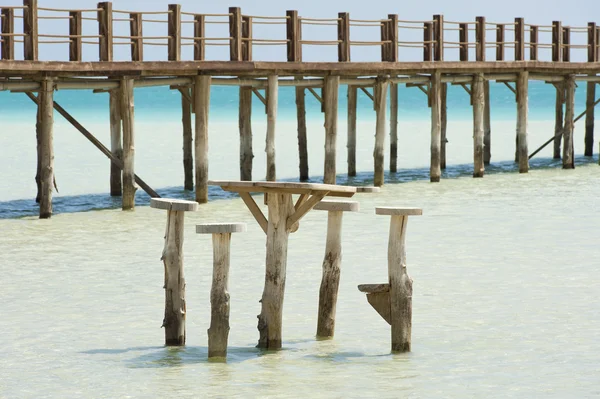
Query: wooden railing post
x,y
30,30
556,41
246,38
105,31
344,37
480,39
8,27
199,32
500,42
592,42
533,39
174,32
566,42
293,36
136,33
75,33
384,37
519,39
392,37
427,39
463,38
438,38
235,32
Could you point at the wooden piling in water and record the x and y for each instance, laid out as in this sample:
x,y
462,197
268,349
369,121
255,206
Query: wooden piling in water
x,y
202,103
330,102
188,144
558,118
351,145
444,124
590,91
522,111
116,143
478,98
487,128
436,127
393,127
568,151
245,124
302,137
129,186
46,147
38,171
272,89
380,96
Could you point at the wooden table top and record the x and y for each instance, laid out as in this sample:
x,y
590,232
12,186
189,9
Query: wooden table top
x,y
284,187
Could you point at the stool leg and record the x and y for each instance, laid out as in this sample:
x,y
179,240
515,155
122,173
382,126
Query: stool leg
x,y
218,333
331,276
174,321
400,286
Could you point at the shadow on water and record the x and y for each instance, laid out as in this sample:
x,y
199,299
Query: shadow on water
x,y
91,202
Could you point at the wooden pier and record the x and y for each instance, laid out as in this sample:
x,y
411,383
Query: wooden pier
x,y
537,52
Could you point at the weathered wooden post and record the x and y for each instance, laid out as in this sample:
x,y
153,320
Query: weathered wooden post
x,y
218,333
568,151
487,125
7,24
172,257
174,32
46,147
199,31
202,103
522,111
519,39
557,37
393,301
235,32
427,41
331,264
343,37
116,144
436,128
30,30
75,24
590,91
444,124
558,118
272,91
394,126
566,51
351,146
478,99
500,28
188,144
330,101
245,124
129,186
380,96
480,29
137,36
463,39
533,40
105,31
392,37
438,38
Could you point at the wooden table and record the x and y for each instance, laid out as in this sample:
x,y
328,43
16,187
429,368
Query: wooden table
x,y
282,219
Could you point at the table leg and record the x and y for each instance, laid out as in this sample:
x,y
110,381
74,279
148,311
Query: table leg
x,y
174,321
270,318
400,286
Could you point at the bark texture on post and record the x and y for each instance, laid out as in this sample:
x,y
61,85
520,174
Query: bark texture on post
x,y
393,127
46,147
172,257
127,112
558,118
436,128
330,100
351,146
330,281
487,127
218,333
302,139
116,144
202,103
478,99
522,111
272,89
245,124
589,118
400,286
378,152
38,171
444,124
188,144
568,151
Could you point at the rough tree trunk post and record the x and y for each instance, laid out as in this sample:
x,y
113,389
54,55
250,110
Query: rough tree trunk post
x,y
393,127
245,123
558,119
436,127
38,173
330,101
188,144
46,147
129,186
116,143
487,126
270,318
272,89
202,104
444,124
522,110
302,139
568,151
478,99
218,333
589,118
351,146
172,257
330,281
379,101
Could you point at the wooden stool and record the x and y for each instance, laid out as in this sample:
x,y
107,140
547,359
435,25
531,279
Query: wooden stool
x,y
393,301
172,257
218,332
331,264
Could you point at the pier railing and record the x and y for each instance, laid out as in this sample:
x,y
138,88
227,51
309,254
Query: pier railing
x,y
438,37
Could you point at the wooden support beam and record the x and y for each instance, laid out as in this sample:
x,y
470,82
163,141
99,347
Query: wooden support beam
x,y
393,127
293,36
591,91
522,111
463,38
245,125
438,38
202,102
467,89
316,95
519,39
364,90
344,37
487,128
255,210
478,98
507,84
533,40
200,32
75,23
428,41
105,31
380,105
46,148
351,145
272,91
480,30
500,29
129,186
558,119
7,24
557,37
246,38
260,97
188,145
436,127
568,151
566,50
235,32
302,137
174,32
116,143
137,34
30,30
444,124
330,101
392,26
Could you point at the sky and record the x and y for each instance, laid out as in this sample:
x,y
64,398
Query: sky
x,y
573,13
